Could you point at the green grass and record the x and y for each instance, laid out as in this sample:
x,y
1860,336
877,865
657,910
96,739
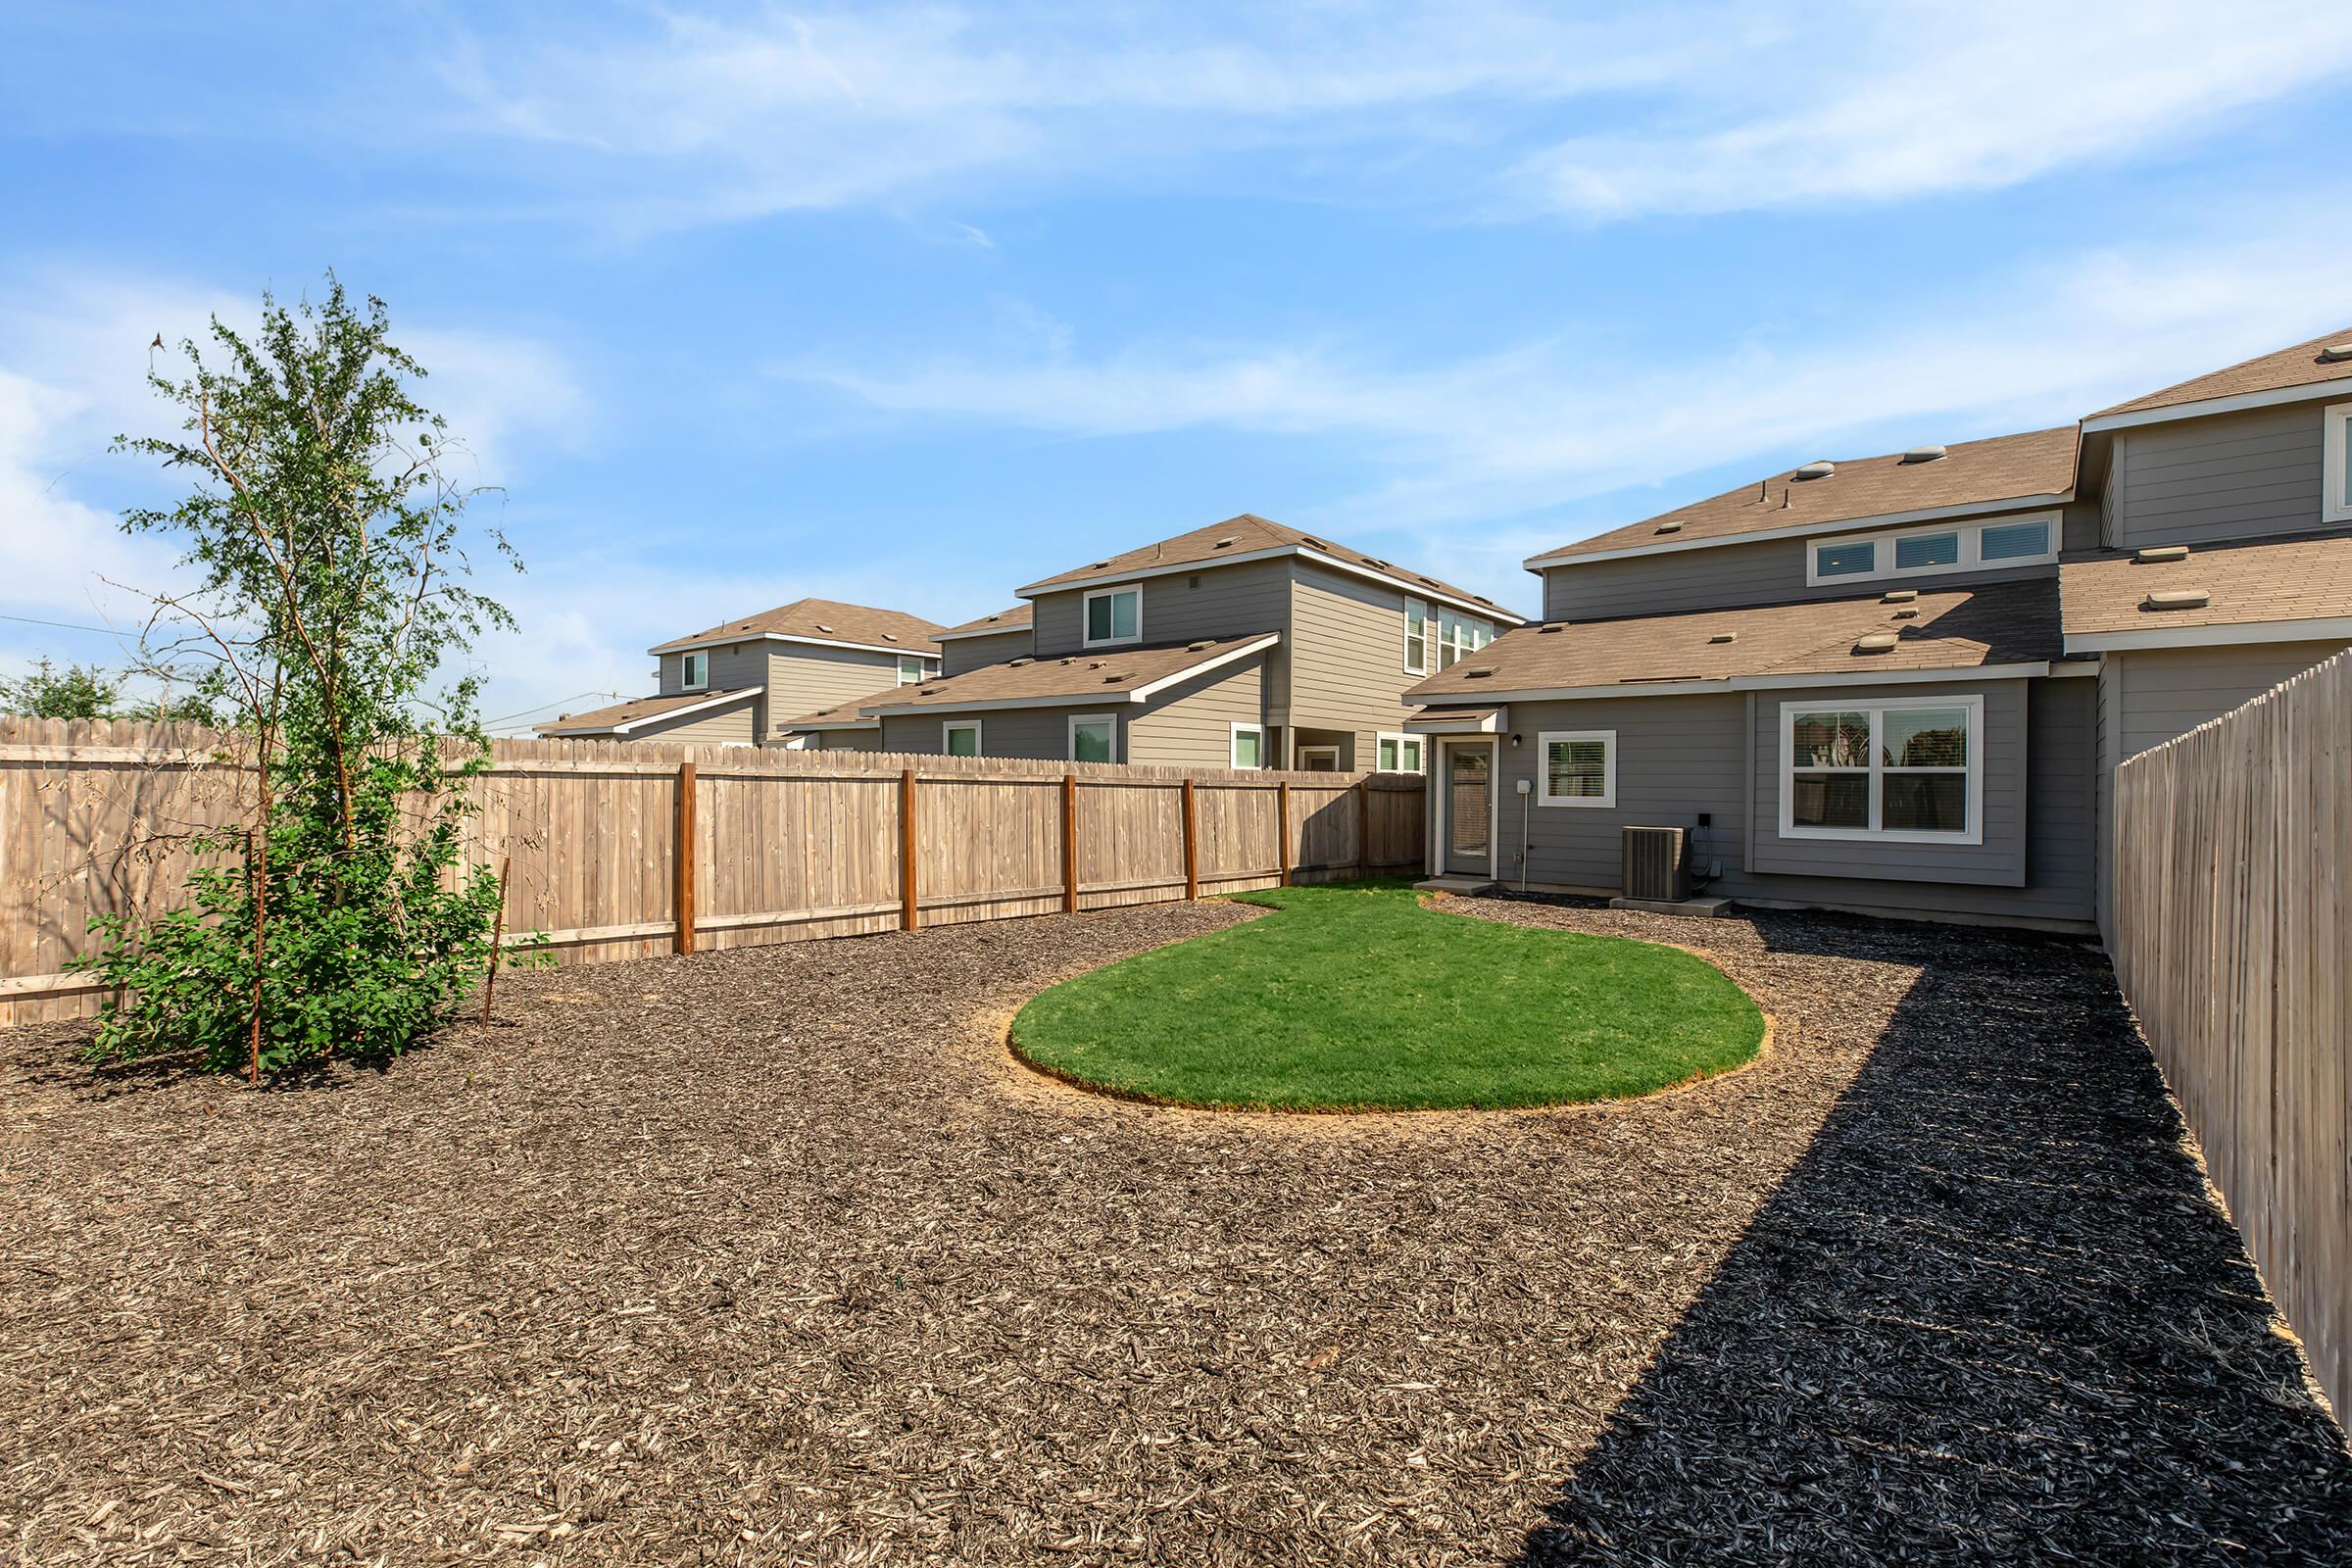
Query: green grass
x,y
1357,997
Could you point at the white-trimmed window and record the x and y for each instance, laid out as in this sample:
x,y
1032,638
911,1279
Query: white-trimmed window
x,y
694,671
1249,746
1094,737
959,737
1932,551
1459,634
1576,767
1113,616
1416,637
1396,754
911,670
2335,500
1905,770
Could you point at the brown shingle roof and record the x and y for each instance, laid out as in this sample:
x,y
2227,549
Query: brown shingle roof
x,y
2003,467
2300,365
823,620
1016,619
1956,628
2302,577
1102,675
602,720
1249,534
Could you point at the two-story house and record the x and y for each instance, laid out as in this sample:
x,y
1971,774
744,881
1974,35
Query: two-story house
x,y
727,684
1903,684
1244,644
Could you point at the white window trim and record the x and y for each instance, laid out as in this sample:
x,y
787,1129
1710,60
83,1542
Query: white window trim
x,y
1232,747
1076,719
1305,751
1970,534
1086,616
1607,798
686,666
1973,703
2336,485
923,670
1416,658
1402,740
979,737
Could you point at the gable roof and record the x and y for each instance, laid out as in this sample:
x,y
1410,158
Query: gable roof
x,y
2296,586
621,717
2001,473
1249,537
826,623
1958,629
1107,675
2281,371
1017,618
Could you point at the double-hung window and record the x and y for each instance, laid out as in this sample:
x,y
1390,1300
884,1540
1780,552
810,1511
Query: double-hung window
x,y
1397,754
1114,615
1579,768
1905,770
911,670
2335,500
1094,738
960,737
1416,637
694,671
1249,746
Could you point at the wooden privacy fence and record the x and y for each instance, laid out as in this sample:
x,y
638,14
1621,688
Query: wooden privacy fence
x,y
2233,941
785,845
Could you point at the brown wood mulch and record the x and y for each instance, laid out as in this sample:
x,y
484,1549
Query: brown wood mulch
x,y
772,1256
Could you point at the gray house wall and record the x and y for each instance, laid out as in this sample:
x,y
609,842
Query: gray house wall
x,y
2167,691
1228,602
797,677
2231,476
1766,572
961,654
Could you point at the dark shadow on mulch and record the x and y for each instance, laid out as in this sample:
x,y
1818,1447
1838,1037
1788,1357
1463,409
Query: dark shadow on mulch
x,y
1991,1314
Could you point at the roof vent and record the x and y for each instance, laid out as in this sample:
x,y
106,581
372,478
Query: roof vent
x,y
1480,673
1671,527
1113,680
1815,471
1018,663
1906,614
1222,543
1549,627
2157,553
927,690
2335,353
1898,596
1724,637
1308,538
1922,454
2179,599
1097,565
891,636
821,626
1194,648
1876,642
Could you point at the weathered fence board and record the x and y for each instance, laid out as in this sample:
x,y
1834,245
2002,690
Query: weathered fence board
x,y
786,846
2232,940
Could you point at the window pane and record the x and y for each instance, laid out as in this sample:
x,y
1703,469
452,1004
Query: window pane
x,y
910,669
1579,770
1926,550
964,741
1925,803
1247,746
2014,539
1098,620
1388,757
1091,743
1829,799
1925,737
1412,756
1124,609
1843,561
1831,740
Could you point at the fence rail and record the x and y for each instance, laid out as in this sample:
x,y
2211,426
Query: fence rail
x,y
786,846
2234,944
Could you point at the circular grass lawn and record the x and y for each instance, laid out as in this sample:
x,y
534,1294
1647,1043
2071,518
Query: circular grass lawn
x,y
1359,997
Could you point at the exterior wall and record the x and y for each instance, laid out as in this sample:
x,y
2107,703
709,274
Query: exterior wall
x,y
961,654
2231,476
1679,756
733,666
1037,732
797,678
2167,691
1348,660
845,740
1767,572
730,726
1191,725
1230,602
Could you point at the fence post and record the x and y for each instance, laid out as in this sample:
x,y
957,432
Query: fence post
x,y
908,919
684,857
1363,827
1282,830
1069,844
1192,845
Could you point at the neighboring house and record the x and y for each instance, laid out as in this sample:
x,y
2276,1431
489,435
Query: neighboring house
x,y
990,640
1244,644
1903,684
728,684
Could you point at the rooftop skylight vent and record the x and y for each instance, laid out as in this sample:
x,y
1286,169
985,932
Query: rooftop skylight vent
x,y
1480,673
1898,596
1018,663
1906,614
1675,526
821,626
1308,538
2161,553
1724,637
2179,599
1816,470
1923,454
891,635
1222,543
1876,642
2335,353
1194,648
1097,565
1549,627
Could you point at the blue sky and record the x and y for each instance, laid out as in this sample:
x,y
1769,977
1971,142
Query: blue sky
x,y
910,306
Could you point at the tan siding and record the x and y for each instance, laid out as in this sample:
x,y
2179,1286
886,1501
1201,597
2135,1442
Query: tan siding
x,y
2227,477
2170,691
962,654
1191,726
1348,660
802,679
732,726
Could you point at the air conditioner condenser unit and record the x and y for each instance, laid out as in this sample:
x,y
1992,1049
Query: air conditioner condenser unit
x,y
1657,863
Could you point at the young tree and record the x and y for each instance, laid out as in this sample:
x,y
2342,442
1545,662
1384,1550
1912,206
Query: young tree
x,y
326,593
76,692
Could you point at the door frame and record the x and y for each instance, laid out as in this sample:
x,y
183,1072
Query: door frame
x,y
1305,751
1442,788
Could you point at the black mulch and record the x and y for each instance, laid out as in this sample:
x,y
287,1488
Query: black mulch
x,y
769,1256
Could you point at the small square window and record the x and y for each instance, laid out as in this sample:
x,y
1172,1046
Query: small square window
x,y
1249,747
960,739
694,671
1094,738
2015,541
911,670
1845,561
1917,551
1579,768
1114,615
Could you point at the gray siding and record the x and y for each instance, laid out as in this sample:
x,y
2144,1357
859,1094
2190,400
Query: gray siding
x,y
1191,725
846,739
1771,571
2167,691
1036,732
733,665
2107,739
2231,476
961,654
797,678
1230,602
1348,672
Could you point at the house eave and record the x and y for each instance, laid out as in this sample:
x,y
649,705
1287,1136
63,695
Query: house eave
x,y
2206,407
2226,634
2024,671
690,645
1882,520
1409,590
